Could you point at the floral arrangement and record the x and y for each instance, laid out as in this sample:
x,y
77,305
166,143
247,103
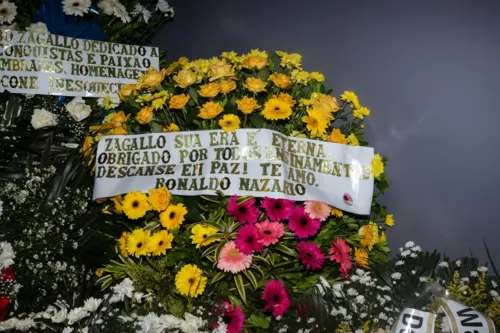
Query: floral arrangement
x,y
261,255
8,286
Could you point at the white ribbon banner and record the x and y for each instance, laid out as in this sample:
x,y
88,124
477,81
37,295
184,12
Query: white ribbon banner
x,y
414,321
464,319
32,63
257,162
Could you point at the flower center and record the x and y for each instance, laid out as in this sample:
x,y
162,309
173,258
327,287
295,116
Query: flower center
x,y
242,209
172,215
314,121
227,320
3,11
234,253
191,281
250,239
277,205
276,298
268,232
76,4
276,108
303,221
205,236
160,243
135,204
139,245
309,255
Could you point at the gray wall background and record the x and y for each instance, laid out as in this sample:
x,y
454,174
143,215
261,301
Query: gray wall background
x,y
430,72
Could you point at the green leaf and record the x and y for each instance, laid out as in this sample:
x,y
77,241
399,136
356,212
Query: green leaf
x,y
286,250
194,94
259,321
251,278
256,119
157,128
218,276
263,74
240,286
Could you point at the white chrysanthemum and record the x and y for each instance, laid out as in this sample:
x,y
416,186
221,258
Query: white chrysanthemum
x,y
76,7
39,28
474,274
482,269
122,290
1,207
413,272
7,255
494,284
400,263
114,7
409,244
165,8
423,279
60,316
458,263
8,12
76,315
43,118
140,10
405,253
396,276
67,330
443,264
78,109
92,304
464,280
493,293
416,248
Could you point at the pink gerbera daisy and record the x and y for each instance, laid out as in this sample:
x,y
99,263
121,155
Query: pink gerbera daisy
x,y
269,232
232,260
311,255
317,210
339,252
248,239
277,209
302,224
233,317
245,212
276,297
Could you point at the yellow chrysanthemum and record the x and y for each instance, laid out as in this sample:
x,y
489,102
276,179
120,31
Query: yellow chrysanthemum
x,y
160,242
290,60
200,234
318,77
254,84
122,243
210,110
276,109
389,220
305,102
383,237
171,128
226,86
337,212
138,243
299,76
145,115
337,137
159,198
115,119
316,122
135,205
158,103
370,235
362,258
209,90
122,130
229,56
229,122
190,282
377,166
350,97
352,140
297,134
280,80
173,217
361,113
178,101
99,272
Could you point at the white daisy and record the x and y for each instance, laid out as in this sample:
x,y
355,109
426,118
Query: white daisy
x,y
108,102
76,7
8,12
443,264
140,10
482,269
114,7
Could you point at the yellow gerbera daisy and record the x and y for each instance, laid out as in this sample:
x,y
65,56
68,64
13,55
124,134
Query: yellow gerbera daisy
x,y
200,234
276,109
135,205
173,217
316,122
229,122
189,281
377,165
138,243
118,201
122,243
160,242
337,137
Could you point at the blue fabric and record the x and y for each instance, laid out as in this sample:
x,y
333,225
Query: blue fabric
x,y
51,13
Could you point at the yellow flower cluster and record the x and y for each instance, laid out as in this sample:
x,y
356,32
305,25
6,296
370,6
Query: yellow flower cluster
x,y
190,282
141,242
202,235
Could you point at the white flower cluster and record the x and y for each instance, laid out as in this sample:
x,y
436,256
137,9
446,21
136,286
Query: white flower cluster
x,y
7,255
152,323
362,297
8,287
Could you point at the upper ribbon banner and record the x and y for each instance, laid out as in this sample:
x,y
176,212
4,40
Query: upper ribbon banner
x,y
48,64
